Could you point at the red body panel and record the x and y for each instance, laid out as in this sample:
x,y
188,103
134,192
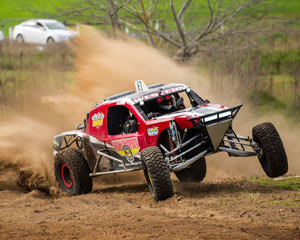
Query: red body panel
x,y
148,131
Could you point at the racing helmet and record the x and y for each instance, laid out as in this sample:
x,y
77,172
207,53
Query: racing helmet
x,y
167,103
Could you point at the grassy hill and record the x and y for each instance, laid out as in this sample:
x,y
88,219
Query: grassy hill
x,y
13,12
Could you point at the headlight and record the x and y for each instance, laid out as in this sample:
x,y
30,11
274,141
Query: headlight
x,y
62,37
215,116
210,118
225,114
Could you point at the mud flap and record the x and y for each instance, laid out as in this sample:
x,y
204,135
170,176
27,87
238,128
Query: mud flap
x,y
89,152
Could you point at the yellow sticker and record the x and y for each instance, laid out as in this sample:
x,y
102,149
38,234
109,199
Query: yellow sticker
x,y
98,119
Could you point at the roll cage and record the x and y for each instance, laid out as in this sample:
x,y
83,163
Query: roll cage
x,y
153,105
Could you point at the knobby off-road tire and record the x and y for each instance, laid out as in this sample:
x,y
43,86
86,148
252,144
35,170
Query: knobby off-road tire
x,y
273,160
157,173
195,173
72,172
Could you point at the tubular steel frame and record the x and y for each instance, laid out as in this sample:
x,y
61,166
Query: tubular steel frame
x,y
232,143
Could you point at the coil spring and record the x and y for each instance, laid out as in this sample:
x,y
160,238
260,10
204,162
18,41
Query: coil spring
x,y
171,143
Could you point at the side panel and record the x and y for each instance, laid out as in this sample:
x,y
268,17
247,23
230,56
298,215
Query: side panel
x,y
153,130
126,147
96,124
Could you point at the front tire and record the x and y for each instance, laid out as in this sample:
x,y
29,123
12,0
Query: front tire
x,y
157,173
50,40
273,158
195,173
20,39
72,172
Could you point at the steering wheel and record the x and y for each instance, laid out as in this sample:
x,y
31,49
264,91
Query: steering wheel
x,y
153,114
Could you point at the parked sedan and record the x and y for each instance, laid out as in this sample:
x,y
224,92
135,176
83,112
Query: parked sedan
x,y
42,31
1,36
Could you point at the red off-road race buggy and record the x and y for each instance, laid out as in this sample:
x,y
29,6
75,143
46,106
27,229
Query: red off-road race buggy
x,y
158,129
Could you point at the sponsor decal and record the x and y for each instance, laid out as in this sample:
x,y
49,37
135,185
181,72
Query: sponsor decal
x,y
152,131
127,148
157,94
98,120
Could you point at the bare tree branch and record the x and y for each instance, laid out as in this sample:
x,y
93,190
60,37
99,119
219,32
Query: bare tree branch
x,y
178,25
183,8
208,27
141,16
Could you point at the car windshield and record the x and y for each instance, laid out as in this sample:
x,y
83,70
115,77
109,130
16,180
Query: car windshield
x,y
55,25
166,104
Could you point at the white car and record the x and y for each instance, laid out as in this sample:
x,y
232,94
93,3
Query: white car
x,y
1,36
42,31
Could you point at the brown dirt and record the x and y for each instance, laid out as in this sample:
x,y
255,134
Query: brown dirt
x,y
213,209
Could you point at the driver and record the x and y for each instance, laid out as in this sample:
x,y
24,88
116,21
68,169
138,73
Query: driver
x,y
164,105
167,105
131,125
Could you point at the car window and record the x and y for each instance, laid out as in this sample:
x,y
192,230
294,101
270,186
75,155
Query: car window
x,y
121,121
55,25
28,24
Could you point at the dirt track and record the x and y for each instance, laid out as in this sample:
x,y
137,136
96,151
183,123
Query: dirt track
x,y
223,209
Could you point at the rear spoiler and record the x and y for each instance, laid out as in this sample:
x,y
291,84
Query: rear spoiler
x,y
228,113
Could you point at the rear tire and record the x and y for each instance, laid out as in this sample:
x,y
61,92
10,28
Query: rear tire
x,y
273,160
20,39
195,173
157,173
72,172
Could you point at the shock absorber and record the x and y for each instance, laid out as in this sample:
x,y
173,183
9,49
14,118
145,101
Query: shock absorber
x,y
174,136
171,142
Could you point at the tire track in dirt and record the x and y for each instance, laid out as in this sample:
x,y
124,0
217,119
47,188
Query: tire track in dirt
x,y
225,209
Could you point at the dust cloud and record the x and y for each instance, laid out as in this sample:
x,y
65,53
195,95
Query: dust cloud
x,y
105,66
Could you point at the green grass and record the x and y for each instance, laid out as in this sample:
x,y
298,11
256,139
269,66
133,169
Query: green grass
x,y
267,104
283,87
290,183
267,101
288,9
13,12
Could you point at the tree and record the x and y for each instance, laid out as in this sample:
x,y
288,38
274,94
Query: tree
x,y
220,23
182,25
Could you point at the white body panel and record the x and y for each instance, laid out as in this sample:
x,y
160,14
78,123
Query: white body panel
x,y
1,36
39,31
